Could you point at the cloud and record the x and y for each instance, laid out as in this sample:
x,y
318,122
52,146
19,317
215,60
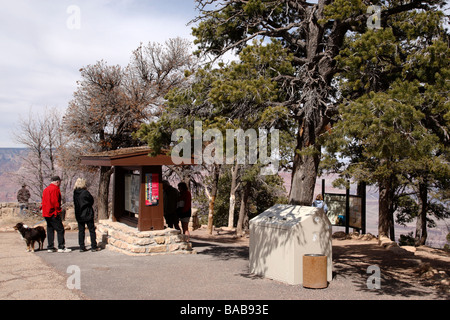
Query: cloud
x,y
44,45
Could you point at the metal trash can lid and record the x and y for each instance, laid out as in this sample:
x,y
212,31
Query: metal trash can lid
x,y
314,255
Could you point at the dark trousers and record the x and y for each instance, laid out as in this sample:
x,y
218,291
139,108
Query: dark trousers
x,y
172,221
81,228
54,223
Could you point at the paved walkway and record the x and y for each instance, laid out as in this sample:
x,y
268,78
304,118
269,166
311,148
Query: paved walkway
x,y
219,271
26,276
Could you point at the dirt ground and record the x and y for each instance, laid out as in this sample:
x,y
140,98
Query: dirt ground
x,y
402,268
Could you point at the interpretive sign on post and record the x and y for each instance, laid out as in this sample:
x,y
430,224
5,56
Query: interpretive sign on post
x,y
336,208
346,210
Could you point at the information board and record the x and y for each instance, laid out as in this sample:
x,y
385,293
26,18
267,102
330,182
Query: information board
x,y
132,188
336,208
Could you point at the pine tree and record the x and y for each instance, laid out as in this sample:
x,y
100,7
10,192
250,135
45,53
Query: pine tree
x,y
393,127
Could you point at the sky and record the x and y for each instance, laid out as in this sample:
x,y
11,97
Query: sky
x,y
44,44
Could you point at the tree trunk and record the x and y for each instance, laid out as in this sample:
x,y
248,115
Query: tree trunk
x,y
421,223
304,175
212,200
212,197
103,192
305,167
243,209
234,172
385,216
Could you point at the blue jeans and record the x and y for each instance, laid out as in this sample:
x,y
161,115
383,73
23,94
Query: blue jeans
x,y
23,206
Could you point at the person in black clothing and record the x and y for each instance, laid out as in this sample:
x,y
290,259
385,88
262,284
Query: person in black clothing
x,y
184,208
170,205
84,213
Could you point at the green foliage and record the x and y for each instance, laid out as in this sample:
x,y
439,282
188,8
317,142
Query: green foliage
x,y
157,135
386,130
248,82
231,96
416,24
408,210
224,27
406,240
395,111
344,9
370,61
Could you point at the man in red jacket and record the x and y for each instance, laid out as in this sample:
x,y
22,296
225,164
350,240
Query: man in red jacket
x,y
51,211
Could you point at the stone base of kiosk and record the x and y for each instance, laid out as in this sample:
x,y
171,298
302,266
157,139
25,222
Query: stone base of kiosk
x,y
119,237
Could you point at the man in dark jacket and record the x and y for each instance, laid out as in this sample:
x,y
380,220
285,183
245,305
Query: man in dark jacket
x,y
84,214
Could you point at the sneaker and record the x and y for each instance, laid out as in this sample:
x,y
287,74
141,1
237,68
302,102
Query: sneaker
x,y
95,249
64,250
83,249
51,250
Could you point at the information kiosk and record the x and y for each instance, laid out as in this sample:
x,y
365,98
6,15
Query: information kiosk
x,y
137,196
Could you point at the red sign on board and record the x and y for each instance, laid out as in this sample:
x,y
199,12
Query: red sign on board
x,y
151,189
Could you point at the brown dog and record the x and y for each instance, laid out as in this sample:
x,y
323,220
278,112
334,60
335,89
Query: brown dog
x,y
31,235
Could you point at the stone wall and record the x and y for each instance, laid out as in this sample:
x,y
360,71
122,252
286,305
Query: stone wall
x,y
12,209
122,238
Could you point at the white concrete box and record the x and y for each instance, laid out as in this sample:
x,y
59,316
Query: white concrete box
x,y
281,235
